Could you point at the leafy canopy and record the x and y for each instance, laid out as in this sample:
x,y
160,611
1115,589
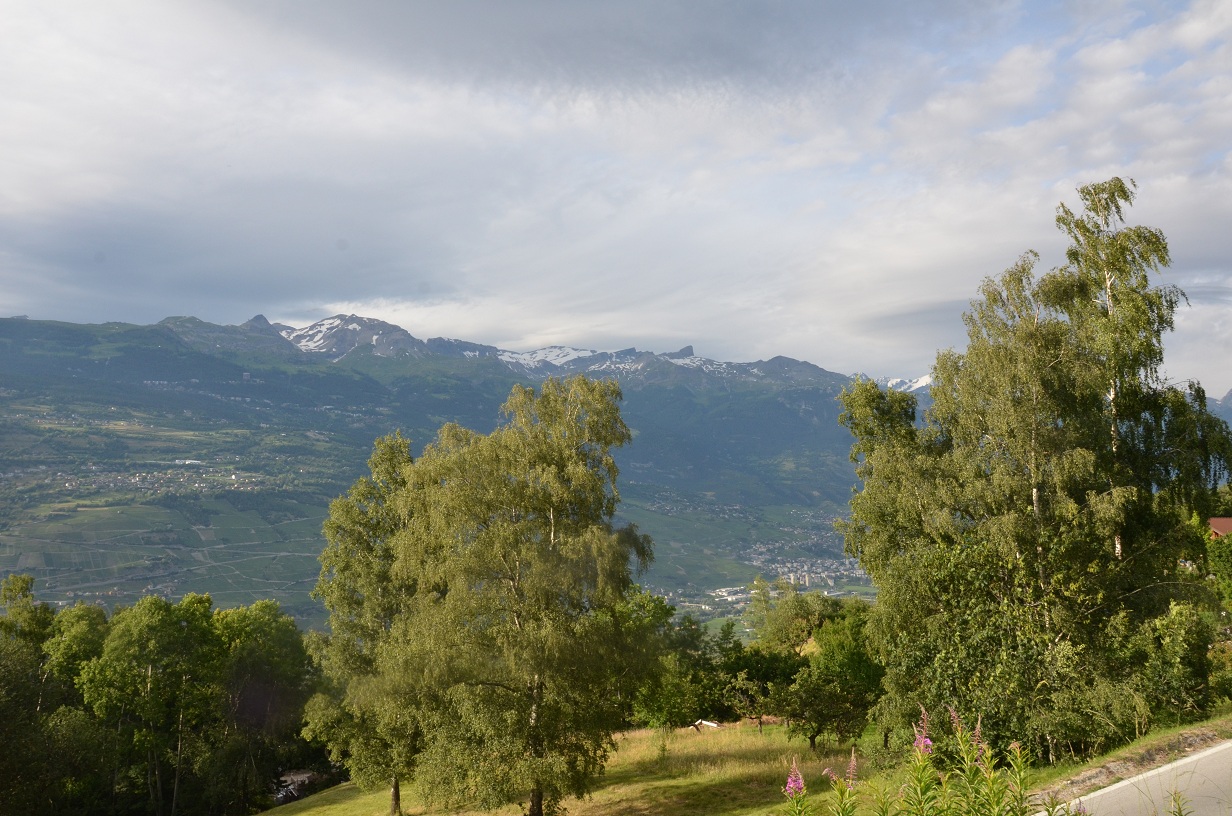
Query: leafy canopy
x,y
483,590
1027,534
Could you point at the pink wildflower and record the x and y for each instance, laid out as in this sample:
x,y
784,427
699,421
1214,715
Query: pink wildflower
x,y
795,782
851,771
922,743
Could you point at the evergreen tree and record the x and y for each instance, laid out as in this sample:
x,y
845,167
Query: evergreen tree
x,y
1027,536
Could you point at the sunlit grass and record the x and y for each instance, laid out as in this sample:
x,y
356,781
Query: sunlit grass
x,y
731,771
735,771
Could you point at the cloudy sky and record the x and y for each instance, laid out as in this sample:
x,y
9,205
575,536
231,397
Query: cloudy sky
x,y
824,180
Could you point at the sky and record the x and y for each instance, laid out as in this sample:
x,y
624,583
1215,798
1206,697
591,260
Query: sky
x,y
830,181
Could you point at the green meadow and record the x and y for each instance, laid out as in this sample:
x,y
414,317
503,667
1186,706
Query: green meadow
x,y
731,771
735,771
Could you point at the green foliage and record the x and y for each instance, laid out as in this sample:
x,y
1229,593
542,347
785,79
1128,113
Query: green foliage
x,y
265,684
785,619
363,714
20,778
77,635
834,692
1027,535
673,699
977,782
484,588
1219,558
156,684
814,667
24,618
167,708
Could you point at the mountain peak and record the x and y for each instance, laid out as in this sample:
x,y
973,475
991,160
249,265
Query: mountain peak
x,y
339,335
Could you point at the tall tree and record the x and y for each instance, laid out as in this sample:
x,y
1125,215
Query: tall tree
x,y
1028,531
24,618
362,716
510,629
835,691
23,763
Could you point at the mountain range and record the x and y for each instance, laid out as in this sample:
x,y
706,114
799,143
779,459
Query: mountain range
x,y
189,456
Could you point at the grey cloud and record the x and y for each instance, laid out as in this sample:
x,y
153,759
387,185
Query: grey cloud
x,y
633,43
234,250
754,179
939,321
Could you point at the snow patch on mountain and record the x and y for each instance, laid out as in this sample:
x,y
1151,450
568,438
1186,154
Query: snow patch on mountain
x,y
316,336
552,355
703,364
341,334
903,384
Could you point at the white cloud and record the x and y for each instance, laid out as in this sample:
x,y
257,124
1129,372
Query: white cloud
x,y
829,182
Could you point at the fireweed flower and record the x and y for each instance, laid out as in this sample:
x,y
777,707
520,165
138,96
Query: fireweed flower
x,y
797,797
922,743
849,781
795,782
851,771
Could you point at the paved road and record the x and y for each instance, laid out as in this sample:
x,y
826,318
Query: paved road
x,y
1205,780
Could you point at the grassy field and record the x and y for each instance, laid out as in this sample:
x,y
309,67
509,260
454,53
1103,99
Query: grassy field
x,y
734,771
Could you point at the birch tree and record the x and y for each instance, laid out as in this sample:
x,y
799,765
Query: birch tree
x,y
507,633
1027,531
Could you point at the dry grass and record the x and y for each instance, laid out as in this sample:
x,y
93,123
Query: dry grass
x,y
732,771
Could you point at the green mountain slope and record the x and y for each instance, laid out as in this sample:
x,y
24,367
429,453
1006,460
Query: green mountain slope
x,y
189,456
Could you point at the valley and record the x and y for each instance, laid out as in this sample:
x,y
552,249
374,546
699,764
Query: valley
x,y
189,457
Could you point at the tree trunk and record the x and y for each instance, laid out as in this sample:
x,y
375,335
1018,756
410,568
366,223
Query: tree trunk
x,y
813,743
179,753
157,792
536,801
1112,401
395,798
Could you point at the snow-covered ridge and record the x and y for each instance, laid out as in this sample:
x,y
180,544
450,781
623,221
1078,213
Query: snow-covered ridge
x,y
339,335
703,363
900,384
554,355
316,336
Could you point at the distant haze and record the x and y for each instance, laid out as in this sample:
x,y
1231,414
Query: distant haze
x,y
824,180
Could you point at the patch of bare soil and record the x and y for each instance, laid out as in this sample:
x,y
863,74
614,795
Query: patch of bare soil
x,y
1124,766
